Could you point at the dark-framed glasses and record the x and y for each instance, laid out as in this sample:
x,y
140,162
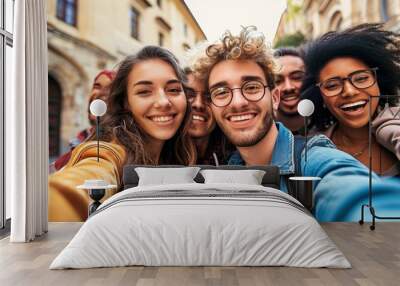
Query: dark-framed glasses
x,y
360,79
192,93
251,90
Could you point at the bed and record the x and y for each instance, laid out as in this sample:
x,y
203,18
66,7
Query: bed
x,y
201,223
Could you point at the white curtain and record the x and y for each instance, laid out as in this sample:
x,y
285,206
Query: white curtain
x,y
27,123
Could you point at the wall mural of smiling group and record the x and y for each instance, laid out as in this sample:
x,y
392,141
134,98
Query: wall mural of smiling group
x,y
234,102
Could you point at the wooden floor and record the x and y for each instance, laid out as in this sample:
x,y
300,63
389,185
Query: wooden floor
x,y
374,255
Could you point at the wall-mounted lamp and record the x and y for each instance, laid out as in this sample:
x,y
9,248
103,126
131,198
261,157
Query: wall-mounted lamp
x,y
303,186
96,188
305,108
98,108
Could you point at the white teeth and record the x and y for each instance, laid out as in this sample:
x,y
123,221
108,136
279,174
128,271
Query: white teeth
x,y
353,104
241,117
198,117
289,98
161,118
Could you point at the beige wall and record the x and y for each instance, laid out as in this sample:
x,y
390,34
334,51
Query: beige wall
x,y
106,24
101,38
320,16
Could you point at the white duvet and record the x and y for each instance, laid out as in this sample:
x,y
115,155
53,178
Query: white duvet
x,y
201,224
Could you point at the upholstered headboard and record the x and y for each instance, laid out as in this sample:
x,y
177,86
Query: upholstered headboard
x,y
271,178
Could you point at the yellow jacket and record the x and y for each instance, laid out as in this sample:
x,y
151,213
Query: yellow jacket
x,y
66,202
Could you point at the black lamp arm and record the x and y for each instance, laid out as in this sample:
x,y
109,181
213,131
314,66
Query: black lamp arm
x,y
97,136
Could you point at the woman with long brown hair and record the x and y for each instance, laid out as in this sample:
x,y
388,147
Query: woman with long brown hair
x,y
146,123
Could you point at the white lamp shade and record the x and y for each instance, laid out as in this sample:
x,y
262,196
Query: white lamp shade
x,y
305,107
98,107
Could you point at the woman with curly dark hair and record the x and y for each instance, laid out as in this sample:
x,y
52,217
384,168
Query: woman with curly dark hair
x,y
147,122
344,72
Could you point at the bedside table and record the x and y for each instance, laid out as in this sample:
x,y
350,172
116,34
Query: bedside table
x,y
96,190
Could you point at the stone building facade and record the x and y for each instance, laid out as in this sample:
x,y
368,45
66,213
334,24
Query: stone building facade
x,y
316,17
85,36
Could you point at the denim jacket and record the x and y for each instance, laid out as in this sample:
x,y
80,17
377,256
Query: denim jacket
x,y
344,180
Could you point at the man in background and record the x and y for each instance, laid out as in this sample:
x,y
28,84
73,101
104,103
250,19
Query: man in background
x,y
288,80
100,90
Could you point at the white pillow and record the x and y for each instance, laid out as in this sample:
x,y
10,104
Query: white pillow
x,y
248,177
163,176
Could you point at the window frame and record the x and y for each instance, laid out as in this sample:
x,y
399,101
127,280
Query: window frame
x,y
62,16
134,33
384,10
6,39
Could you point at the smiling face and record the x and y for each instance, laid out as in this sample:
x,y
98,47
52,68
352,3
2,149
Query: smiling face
x,y
245,123
202,121
101,87
350,107
289,80
156,99
100,90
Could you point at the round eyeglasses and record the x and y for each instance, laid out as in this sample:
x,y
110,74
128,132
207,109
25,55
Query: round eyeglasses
x,y
251,90
192,93
361,79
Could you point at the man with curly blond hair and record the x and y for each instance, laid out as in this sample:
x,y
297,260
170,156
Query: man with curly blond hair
x,y
247,58
239,72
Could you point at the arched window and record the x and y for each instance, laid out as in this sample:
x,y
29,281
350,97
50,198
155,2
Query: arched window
x,y
336,21
55,104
